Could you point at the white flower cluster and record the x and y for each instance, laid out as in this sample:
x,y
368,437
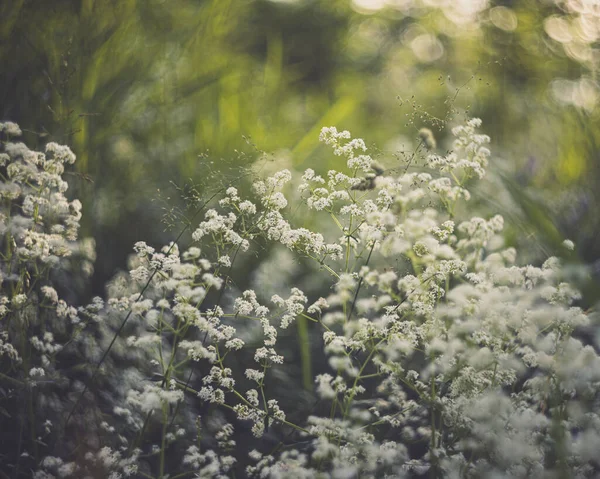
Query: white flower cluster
x,y
114,464
47,221
437,353
38,237
474,158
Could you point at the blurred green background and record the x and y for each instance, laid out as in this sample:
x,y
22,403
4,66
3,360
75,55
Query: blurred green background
x,y
152,94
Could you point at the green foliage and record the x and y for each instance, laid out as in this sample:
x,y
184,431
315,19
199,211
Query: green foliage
x,y
140,88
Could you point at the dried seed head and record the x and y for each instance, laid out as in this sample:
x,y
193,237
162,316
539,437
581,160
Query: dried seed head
x,y
427,138
377,168
367,183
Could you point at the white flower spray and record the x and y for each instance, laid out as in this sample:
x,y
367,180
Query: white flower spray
x,y
441,354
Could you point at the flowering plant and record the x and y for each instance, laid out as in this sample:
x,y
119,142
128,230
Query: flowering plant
x,y
440,355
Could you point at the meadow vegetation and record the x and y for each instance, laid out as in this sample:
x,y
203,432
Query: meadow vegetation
x,y
437,353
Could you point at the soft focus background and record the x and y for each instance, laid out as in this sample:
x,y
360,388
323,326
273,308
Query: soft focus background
x,y
173,98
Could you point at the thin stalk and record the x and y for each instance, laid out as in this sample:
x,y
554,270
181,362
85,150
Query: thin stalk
x,y
304,345
163,440
360,281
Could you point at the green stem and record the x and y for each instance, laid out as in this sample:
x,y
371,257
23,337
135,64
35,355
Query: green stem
x,y
305,358
163,441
